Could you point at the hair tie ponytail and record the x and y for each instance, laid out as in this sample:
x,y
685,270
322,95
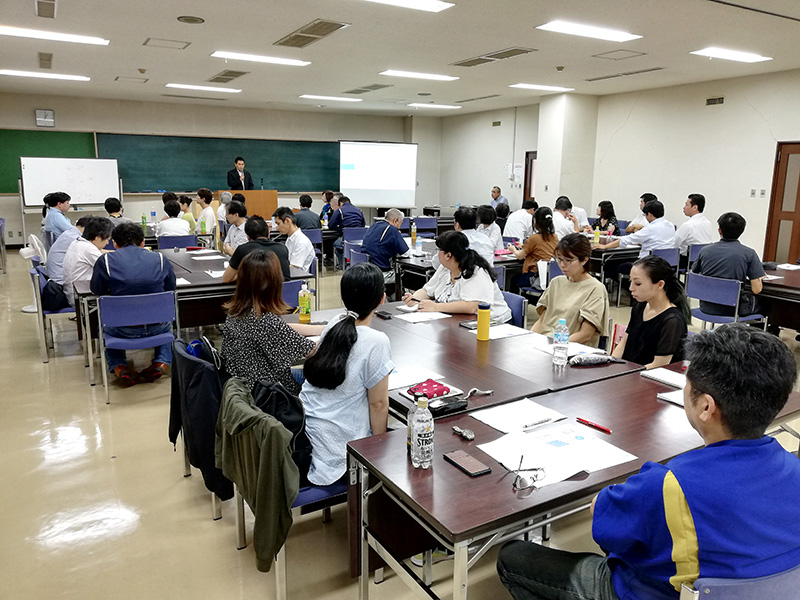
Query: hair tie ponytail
x,y
548,216
352,313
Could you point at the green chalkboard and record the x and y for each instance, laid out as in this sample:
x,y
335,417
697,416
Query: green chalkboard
x,y
49,144
158,162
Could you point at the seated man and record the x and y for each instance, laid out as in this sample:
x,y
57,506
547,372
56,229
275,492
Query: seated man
x,y
519,224
497,198
640,221
728,259
726,510
697,230
55,256
257,230
301,250
54,213
114,209
237,217
82,255
564,222
466,221
132,270
207,220
173,224
225,199
344,215
502,211
304,218
383,242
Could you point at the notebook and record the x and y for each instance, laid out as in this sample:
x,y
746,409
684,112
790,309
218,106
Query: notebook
x,y
666,377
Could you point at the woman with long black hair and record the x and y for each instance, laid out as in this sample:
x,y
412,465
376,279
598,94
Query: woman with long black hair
x,y
463,281
539,246
346,391
658,324
606,221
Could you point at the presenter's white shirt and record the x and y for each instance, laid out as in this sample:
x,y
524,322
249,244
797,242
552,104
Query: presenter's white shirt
x,y
173,226
697,230
519,225
301,250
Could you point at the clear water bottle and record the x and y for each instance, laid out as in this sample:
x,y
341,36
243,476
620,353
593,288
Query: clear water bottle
x,y
422,436
410,423
560,343
152,215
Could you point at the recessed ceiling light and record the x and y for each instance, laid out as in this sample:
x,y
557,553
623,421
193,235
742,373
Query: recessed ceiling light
x,y
599,33
333,98
36,34
202,88
43,75
424,105
745,57
426,5
190,20
393,73
543,88
263,59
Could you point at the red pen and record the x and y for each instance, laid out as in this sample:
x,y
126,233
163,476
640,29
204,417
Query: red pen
x,y
593,425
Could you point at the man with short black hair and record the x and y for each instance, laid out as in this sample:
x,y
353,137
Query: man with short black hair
x,y
132,270
659,233
729,259
55,256
114,209
82,255
563,221
207,220
239,198
640,221
384,242
697,230
237,217
304,218
519,224
172,224
168,196
344,215
257,230
497,198
301,250
502,211
727,510
238,178
466,221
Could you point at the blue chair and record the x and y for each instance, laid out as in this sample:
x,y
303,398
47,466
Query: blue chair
x,y
694,252
780,586
519,309
349,247
166,242
44,324
718,291
222,227
315,237
290,290
591,221
426,226
671,255
354,234
623,225
358,257
510,240
501,276
128,311
555,270
405,226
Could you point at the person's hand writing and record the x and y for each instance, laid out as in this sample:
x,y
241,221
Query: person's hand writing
x,y
428,306
408,299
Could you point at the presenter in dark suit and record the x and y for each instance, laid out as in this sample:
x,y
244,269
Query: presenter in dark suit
x,y
238,178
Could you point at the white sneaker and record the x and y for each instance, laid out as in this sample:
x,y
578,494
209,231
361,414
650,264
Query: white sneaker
x,y
439,554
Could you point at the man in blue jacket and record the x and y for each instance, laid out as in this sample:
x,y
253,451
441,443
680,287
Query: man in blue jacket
x,y
727,510
383,242
345,215
131,270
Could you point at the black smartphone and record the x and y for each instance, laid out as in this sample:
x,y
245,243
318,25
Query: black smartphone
x,y
382,314
469,464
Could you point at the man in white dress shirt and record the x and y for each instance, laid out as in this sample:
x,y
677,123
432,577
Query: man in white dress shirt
x,y
83,253
173,224
697,230
466,221
640,220
519,224
564,222
237,217
301,250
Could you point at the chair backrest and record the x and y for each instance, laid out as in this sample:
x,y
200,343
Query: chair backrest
x,y
671,255
313,267
510,240
40,272
290,290
38,247
354,234
358,257
406,225
623,225
555,270
49,239
519,308
591,221
694,250
222,227
349,247
780,586
109,245
713,289
425,223
140,309
314,236
501,276
165,242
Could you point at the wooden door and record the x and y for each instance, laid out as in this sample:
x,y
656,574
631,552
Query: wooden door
x,y
783,227
529,187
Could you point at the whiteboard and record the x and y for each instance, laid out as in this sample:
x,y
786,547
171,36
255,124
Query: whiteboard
x,y
378,174
86,180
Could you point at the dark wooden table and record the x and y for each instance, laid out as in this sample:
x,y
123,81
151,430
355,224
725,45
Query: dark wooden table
x,y
464,513
600,258
784,297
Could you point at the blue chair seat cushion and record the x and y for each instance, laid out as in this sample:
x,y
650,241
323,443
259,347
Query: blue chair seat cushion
x,y
313,494
152,341
696,312
59,312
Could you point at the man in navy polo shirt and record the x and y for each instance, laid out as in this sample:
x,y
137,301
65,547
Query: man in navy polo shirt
x,y
346,215
132,270
383,242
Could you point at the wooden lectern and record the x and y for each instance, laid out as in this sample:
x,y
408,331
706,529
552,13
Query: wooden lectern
x,y
258,202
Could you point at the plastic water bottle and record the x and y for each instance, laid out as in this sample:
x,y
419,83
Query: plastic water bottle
x,y
325,221
304,303
422,435
418,247
560,343
410,423
152,215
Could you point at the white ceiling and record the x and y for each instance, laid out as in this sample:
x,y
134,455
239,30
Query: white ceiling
x,y
384,37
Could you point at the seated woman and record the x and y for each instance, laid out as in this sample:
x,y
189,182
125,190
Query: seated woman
x,y
486,225
256,343
657,327
540,246
578,297
606,221
346,392
462,281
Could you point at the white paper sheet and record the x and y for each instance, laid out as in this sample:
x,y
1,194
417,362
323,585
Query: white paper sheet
x,y
676,397
408,309
182,281
216,256
202,252
505,330
666,377
789,267
405,377
422,317
515,416
771,277
573,349
215,274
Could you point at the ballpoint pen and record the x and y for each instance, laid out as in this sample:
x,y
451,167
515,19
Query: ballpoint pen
x,y
530,426
593,425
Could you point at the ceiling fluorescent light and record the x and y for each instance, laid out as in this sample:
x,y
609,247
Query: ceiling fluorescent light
x,y
426,5
745,57
590,31
543,88
202,88
393,73
424,105
52,35
332,98
263,59
43,75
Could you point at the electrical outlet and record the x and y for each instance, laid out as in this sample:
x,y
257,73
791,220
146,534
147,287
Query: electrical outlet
x,y
763,193
546,188
753,193
10,234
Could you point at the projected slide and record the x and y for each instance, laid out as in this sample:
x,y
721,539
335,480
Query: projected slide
x,y
376,174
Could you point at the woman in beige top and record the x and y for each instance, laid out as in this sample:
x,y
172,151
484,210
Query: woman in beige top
x,y
577,296
540,246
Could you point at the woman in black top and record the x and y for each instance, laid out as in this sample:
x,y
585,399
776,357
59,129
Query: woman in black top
x,y
606,218
658,323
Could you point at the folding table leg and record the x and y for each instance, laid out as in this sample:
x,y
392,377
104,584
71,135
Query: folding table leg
x,y
187,467
216,507
241,539
460,574
281,592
